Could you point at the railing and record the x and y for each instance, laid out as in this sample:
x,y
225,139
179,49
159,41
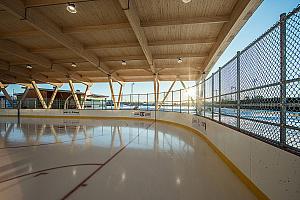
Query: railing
x,y
257,92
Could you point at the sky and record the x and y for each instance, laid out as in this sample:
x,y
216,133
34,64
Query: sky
x,y
264,17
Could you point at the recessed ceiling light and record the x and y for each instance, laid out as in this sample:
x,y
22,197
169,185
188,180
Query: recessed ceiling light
x,y
186,1
73,65
124,63
28,66
179,60
71,8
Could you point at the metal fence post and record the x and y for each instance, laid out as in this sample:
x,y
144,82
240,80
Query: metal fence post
x,y
283,79
238,83
212,95
147,100
220,98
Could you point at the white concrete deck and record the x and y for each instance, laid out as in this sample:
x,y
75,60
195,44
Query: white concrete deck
x,y
109,159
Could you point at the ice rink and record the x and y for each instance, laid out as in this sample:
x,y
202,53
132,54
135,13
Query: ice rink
x,y
110,159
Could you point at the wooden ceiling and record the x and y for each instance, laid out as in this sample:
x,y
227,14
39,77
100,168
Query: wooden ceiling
x,y
150,35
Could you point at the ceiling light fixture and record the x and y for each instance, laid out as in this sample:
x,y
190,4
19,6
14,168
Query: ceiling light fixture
x,y
73,65
28,66
71,8
186,1
124,63
179,60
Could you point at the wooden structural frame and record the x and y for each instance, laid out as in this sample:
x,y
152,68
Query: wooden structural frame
x,y
3,89
57,46
56,87
39,95
185,88
166,96
87,89
116,103
156,85
77,103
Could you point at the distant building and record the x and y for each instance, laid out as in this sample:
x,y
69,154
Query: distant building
x,y
63,99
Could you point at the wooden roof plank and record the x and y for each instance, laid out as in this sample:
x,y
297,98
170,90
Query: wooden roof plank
x,y
42,23
132,16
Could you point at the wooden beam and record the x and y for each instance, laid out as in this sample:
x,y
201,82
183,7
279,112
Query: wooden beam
x,y
23,97
42,23
155,91
158,91
19,51
112,92
74,94
88,86
7,96
101,27
155,57
134,20
241,13
183,21
15,49
120,95
166,96
39,95
185,88
132,44
12,78
53,97
175,56
38,3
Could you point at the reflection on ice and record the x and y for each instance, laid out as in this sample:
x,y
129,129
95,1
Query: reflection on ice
x,y
104,133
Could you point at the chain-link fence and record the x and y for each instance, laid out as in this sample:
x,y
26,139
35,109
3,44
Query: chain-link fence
x,y
258,91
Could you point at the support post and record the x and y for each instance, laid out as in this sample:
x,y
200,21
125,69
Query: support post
x,y
57,86
88,86
166,96
185,88
2,87
283,79
112,92
74,94
238,76
120,96
155,91
23,97
39,95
